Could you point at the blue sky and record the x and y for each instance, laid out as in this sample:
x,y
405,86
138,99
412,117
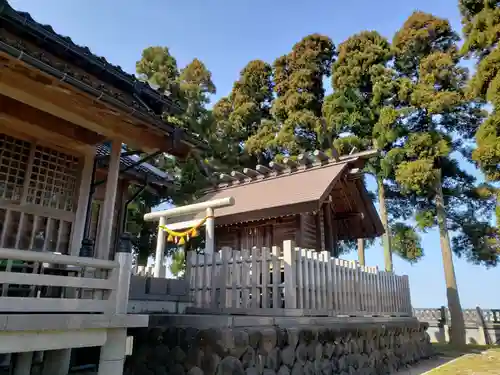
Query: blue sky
x,y
225,35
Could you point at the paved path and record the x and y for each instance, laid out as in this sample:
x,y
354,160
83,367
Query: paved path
x,y
425,366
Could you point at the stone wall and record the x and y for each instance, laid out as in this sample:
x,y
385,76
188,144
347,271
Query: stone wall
x,y
158,295
186,345
482,326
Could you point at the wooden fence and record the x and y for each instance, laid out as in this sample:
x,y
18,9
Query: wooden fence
x,y
294,278
147,271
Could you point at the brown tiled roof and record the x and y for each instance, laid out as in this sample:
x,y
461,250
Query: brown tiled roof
x,y
285,189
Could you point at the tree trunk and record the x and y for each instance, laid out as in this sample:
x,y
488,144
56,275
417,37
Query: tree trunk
x,y
361,251
457,334
386,238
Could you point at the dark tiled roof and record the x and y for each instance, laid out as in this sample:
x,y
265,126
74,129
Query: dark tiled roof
x,y
140,96
143,170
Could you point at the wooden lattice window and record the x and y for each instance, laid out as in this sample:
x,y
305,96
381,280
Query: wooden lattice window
x,y
37,196
53,179
14,157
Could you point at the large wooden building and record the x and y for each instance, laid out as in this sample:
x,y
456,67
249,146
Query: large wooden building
x,y
316,201
65,115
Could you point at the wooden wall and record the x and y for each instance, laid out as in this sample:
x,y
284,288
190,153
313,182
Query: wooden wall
x,y
265,233
307,230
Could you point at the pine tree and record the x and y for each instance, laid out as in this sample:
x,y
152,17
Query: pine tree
x,y
365,106
440,118
240,115
297,123
190,88
481,28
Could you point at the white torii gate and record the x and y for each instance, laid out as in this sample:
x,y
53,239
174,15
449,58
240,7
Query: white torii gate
x,y
162,216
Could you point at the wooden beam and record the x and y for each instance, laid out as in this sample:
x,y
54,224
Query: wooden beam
x,y
348,215
42,125
354,194
66,102
371,212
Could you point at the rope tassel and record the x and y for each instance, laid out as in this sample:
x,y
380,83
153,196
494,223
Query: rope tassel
x,y
181,238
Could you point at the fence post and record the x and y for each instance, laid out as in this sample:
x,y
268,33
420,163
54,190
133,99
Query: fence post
x,y
290,277
225,256
124,258
408,295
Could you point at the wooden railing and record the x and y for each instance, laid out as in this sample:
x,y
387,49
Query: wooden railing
x,y
294,278
44,282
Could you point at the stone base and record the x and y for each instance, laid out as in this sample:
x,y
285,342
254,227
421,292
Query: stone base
x,y
325,347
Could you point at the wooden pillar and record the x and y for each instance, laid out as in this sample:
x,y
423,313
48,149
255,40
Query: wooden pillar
x,y
160,249
210,231
112,356
56,362
23,363
328,223
361,251
108,208
83,201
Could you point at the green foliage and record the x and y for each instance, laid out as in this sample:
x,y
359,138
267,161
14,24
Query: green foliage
x,y
405,242
365,105
191,86
143,232
479,242
426,218
244,115
439,108
422,35
178,265
481,27
298,78
159,67
416,176
408,99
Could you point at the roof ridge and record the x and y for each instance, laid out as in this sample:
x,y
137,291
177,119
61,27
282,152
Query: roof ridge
x,y
306,162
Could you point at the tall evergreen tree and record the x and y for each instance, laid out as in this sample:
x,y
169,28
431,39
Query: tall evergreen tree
x,y
481,28
298,79
240,115
190,88
365,105
439,118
